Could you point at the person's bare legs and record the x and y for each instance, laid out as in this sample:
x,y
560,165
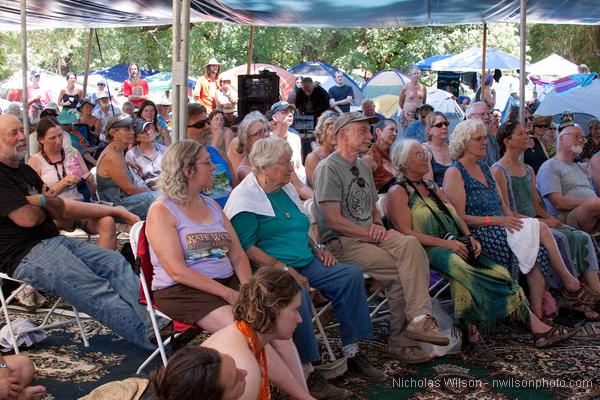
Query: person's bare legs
x,y
280,373
105,228
537,286
24,370
556,261
588,215
591,279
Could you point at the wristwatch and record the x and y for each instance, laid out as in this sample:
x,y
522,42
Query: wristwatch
x,y
320,247
286,268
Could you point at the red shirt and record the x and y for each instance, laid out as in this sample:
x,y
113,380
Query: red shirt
x,y
141,89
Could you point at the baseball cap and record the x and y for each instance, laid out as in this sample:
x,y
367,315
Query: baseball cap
x,y
84,101
350,117
282,105
101,81
140,125
34,72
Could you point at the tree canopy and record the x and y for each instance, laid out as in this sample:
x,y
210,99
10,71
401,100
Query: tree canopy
x,y
63,50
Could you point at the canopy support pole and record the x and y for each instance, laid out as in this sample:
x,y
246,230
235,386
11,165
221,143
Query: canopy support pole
x,y
181,34
250,49
25,95
484,53
88,53
522,72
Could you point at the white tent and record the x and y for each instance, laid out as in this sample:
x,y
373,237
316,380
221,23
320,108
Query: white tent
x,y
553,65
579,100
471,60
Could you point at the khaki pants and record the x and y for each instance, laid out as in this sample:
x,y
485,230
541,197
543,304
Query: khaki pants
x,y
402,267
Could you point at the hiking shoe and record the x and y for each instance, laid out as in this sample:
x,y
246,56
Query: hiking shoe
x,y
426,330
360,367
480,350
321,389
409,354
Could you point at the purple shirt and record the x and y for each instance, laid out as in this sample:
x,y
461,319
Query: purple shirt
x,y
205,246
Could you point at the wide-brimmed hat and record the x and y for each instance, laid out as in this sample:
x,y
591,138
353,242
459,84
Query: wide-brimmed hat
x,y
228,108
350,117
212,61
52,106
38,106
66,117
163,101
83,102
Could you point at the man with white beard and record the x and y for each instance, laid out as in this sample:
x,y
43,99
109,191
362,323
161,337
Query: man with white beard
x,y
564,183
34,115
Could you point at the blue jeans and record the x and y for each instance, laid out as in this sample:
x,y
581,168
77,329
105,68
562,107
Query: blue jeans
x,y
96,281
344,286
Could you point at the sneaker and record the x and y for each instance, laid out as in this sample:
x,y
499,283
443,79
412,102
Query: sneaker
x,y
480,351
426,330
409,354
360,367
321,389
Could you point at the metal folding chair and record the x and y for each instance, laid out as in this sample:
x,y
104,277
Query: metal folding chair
x,y
6,304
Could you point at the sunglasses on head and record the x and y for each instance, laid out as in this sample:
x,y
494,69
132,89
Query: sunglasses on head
x,y
360,181
200,124
440,124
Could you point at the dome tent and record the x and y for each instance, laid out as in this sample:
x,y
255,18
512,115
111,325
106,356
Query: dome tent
x,y
387,81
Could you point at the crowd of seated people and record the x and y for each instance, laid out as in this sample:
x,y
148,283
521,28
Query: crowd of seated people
x,y
214,219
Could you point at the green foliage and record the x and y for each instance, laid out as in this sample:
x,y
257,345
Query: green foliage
x,y
61,50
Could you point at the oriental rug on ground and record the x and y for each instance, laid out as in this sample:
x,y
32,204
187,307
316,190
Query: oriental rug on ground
x,y
570,371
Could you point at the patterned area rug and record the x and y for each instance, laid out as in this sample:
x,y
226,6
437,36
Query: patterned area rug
x,y
572,371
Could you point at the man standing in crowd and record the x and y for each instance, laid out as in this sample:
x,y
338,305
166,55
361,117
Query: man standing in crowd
x,y
205,91
351,228
481,112
412,95
564,184
311,100
416,130
282,113
135,88
96,281
340,95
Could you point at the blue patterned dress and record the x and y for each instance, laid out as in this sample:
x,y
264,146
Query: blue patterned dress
x,y
482,200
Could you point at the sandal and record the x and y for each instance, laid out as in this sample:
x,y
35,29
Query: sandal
x,y
480,351
583,295
590,314
555,335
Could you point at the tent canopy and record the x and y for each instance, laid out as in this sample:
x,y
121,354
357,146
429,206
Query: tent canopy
x,y
317,13
388,81
580,100
324,74
553,65
425,64
471,60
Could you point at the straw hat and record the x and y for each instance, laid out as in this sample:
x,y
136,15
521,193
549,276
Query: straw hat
x,y
212,61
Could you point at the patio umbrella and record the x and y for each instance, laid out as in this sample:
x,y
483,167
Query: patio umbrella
x,y
470,60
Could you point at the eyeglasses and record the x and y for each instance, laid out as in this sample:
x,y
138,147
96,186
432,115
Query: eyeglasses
x,y
200,124
359,181
287,163
102,84
422,154
262,132
479,139
440,124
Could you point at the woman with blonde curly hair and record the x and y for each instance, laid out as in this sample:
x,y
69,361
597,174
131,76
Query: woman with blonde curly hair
x,y
267,309
326,139
197,257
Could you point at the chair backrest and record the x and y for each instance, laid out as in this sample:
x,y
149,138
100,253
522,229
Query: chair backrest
x,y
140,248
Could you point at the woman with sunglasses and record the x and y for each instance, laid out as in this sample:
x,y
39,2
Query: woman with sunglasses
x,y
378,157
224,178
436,125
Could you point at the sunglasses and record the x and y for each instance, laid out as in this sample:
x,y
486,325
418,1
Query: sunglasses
x,y
440,124
200,124
360,181
542,126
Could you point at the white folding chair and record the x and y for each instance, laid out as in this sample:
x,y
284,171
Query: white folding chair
x,y
145,296
6,304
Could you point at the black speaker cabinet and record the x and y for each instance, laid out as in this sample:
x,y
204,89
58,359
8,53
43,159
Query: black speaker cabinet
x,y
257,92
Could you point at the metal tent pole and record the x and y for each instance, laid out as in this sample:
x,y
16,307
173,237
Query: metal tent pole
x,y
181,35
25,95
522,73
483,55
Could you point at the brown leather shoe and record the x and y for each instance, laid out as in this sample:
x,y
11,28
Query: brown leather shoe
x,y
321,389
426,330
409,354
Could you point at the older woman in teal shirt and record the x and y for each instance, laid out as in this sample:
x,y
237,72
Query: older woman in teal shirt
x,y
270,222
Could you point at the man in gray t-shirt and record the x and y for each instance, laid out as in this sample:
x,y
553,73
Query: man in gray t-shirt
x,y
564,184
351,228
